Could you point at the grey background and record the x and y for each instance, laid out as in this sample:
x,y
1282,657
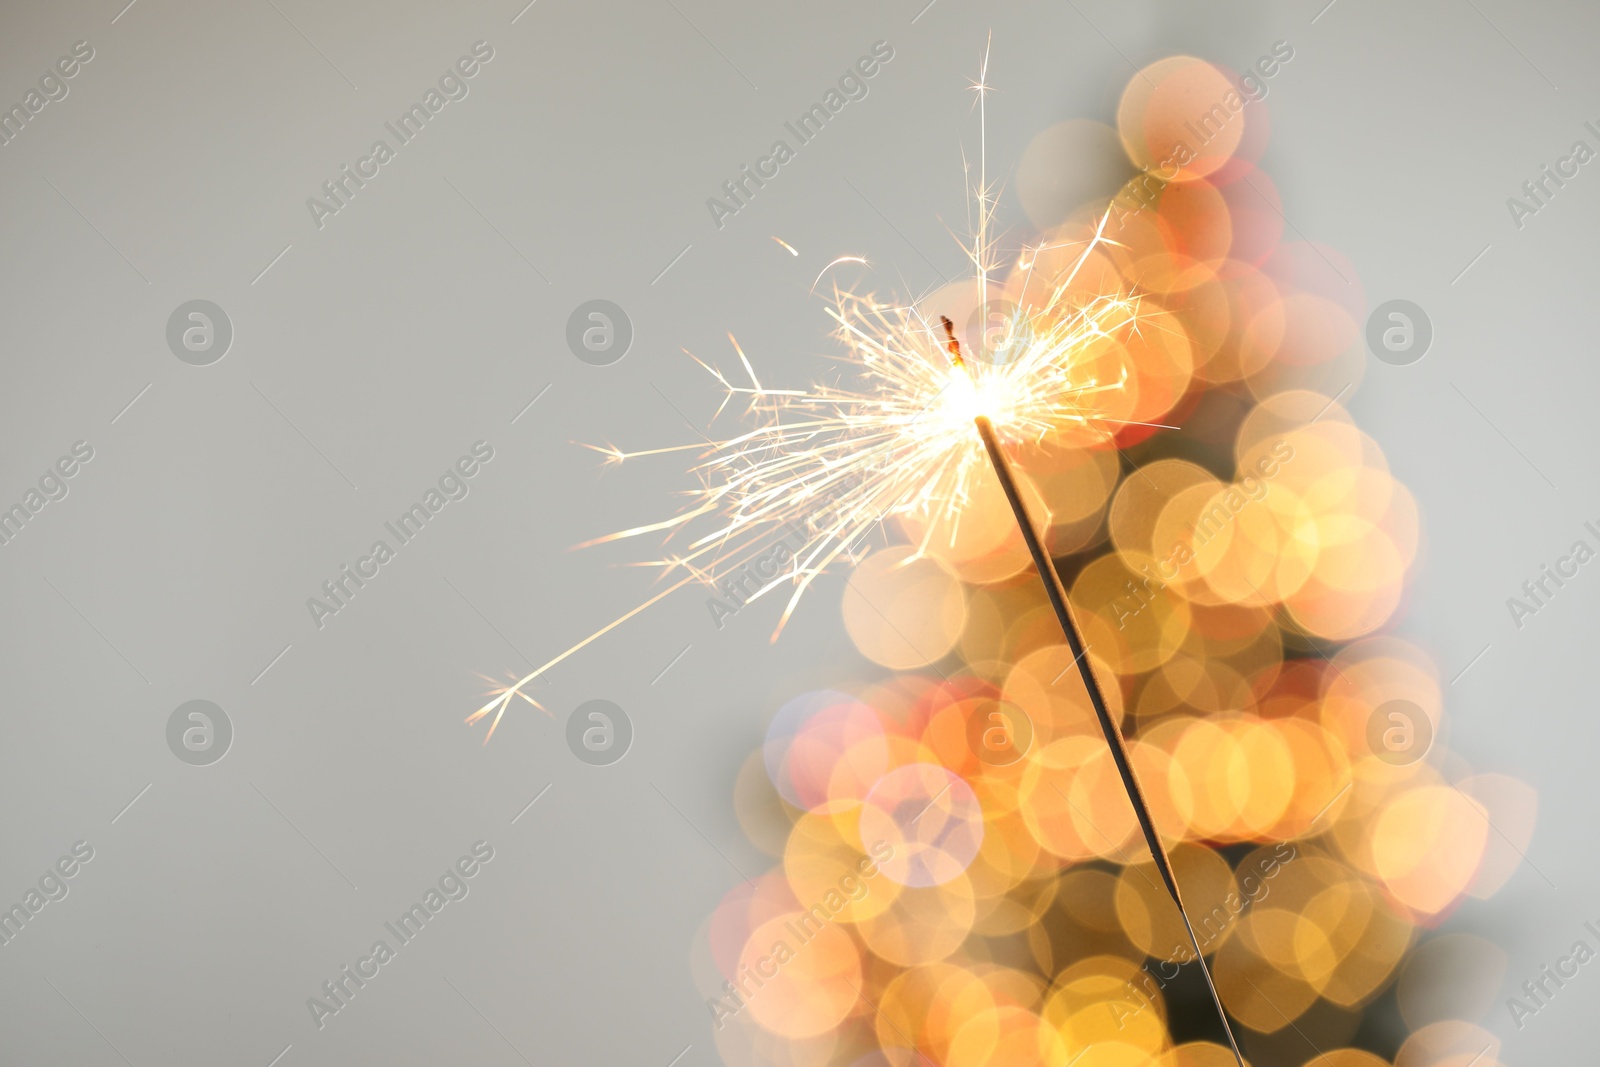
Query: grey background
x,y
427,314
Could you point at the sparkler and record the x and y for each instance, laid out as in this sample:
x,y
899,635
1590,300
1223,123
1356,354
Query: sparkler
x,y
1044,563
831,463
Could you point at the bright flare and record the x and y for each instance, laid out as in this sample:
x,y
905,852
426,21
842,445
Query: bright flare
x,y
829,464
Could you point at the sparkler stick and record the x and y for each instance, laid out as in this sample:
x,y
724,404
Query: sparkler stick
x,y
1057,594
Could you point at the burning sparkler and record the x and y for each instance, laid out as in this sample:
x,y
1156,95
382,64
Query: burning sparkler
x,y
833,462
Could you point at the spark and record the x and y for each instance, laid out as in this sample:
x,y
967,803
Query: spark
x,y
824,466
835,263
888,437
981,247
785,244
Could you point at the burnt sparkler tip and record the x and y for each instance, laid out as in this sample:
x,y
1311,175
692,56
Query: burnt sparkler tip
x,y
952,345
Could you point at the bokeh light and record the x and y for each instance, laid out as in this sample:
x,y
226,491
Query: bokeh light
x,y
960,879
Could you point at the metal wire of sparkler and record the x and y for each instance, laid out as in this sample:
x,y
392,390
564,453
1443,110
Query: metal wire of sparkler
x,y
1056,592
